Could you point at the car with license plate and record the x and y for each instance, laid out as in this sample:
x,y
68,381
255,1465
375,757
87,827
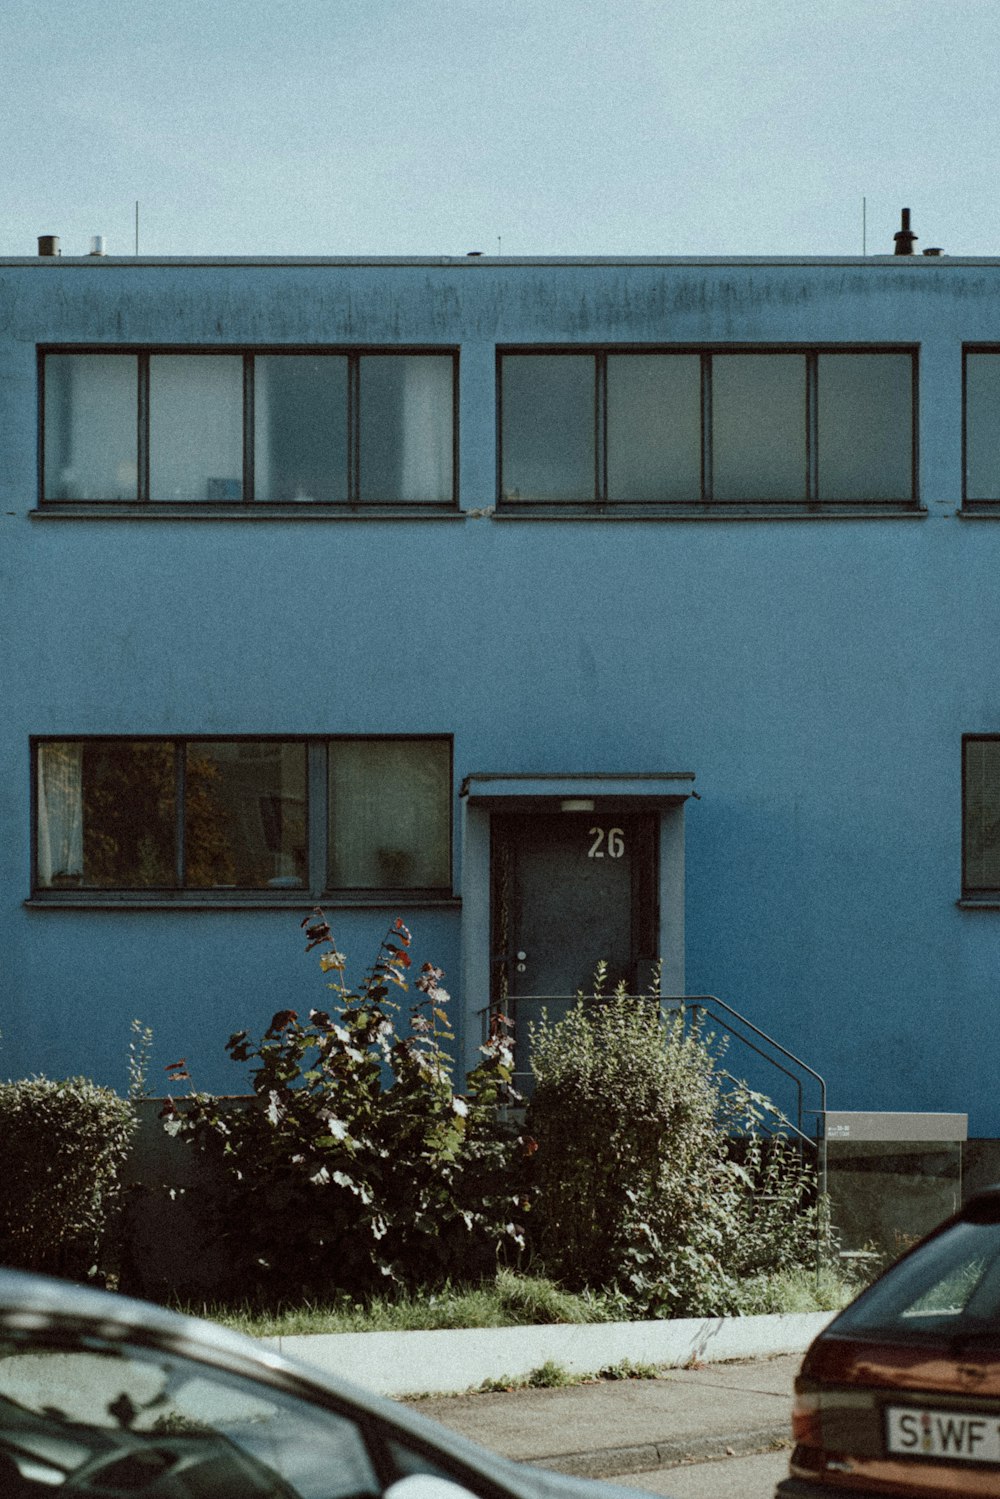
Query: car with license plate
x,y
900,1394
102,1397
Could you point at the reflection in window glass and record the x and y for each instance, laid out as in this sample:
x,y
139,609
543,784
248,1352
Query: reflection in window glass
x,y
390,814
981,785
195,427
948,1286
300,427
91,425
405,427
654,427
982,426
865,422
106,814
548,427
759,427
110,1419
245,815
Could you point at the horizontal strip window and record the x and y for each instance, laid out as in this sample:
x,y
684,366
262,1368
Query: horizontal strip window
x,y
981,427
231,429
701,427
981,816
219,817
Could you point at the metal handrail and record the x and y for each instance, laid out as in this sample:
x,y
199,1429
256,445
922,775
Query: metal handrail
x,y
684,1002
703,1001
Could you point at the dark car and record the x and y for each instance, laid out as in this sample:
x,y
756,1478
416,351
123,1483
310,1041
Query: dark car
x,y
900,1394
106,1398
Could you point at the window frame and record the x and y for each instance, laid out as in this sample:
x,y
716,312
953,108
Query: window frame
x,y
974,895
703,505
315,890
970,504
354,506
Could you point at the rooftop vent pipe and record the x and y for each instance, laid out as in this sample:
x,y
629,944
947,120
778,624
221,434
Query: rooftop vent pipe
x,y
904,236
48,244
97,245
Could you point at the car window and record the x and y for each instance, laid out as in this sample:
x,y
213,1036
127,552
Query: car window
x,y
117,1419
948,1287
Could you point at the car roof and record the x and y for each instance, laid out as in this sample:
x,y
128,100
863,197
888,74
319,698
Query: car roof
x,y
30,1302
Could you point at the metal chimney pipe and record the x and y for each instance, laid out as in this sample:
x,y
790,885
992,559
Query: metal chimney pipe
x,y
48,244
904,237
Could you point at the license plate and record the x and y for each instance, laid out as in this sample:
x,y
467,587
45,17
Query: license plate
x,y
959,1435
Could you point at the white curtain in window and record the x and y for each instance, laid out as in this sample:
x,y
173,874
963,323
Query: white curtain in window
x,y
60,812
427,428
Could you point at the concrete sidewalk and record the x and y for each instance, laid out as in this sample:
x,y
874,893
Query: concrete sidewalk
x,y
631,1426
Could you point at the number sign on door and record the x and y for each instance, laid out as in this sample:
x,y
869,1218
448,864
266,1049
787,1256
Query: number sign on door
x,y
611,840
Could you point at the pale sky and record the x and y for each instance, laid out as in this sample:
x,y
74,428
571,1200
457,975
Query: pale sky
x,y
548,127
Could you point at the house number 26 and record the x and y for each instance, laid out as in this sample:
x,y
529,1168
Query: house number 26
x,y
613,840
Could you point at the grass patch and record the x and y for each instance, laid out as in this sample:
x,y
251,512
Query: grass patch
x,y
510,1301
798,1291
548,1376
513,1300
626,1368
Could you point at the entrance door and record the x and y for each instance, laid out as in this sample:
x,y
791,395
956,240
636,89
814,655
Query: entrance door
x,y
571,889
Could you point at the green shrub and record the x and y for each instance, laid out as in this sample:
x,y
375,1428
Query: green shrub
x,y
639,1188
358,1161
65,1144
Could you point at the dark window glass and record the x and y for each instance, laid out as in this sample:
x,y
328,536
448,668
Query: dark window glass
x,y
654,427
106,814
245,815
759,427
736,427
91,426
865,422
390,814
405,427
948,1288
982,426
548,437
981,800
300,427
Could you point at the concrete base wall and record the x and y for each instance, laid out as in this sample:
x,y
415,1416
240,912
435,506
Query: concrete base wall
x,y
415,1363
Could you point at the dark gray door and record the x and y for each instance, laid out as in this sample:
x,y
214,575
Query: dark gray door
x,y
571,889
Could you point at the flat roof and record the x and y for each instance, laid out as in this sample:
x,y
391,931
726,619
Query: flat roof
x,y
487,262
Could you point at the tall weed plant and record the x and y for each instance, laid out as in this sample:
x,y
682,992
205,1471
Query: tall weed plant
x,y
639,1187
358,1163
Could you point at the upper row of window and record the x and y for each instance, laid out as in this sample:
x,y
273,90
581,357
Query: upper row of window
x,y
615,427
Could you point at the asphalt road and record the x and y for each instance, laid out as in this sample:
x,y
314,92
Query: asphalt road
x,y
728,1478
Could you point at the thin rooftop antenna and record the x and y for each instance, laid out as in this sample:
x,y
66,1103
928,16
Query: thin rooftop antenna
x,y
498,245
137,226
864,226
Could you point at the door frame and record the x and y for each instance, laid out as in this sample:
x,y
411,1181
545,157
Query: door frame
x,y
483,794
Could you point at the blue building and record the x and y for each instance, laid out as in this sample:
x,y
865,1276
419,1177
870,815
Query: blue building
x,y
567,609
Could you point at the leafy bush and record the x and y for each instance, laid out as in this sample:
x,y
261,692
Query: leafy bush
x,y
65,1144
357,1160
639,1188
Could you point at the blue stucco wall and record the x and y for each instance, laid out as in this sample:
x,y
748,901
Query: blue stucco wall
x,y
817,675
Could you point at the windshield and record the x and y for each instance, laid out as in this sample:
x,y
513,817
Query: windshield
x,y
947,1289
115,1420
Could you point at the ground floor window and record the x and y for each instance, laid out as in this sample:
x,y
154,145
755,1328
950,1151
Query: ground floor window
x,y
214,815
981,815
